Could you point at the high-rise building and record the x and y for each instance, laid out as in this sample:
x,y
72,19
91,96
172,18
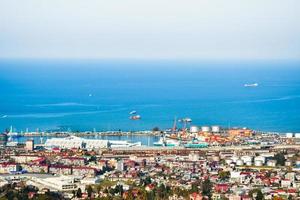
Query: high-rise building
x,y
120,165
29,145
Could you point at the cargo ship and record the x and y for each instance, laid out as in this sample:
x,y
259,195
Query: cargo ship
x,y
135,117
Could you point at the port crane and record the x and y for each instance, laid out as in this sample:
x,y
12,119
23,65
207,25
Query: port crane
x,y
185,122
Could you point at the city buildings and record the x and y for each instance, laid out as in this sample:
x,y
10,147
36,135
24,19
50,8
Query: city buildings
x,y
233,171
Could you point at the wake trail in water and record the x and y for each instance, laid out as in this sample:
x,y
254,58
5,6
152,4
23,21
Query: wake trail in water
x,y
63,114
285,98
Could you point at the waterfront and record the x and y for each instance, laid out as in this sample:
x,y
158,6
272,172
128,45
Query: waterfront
x,y
146,140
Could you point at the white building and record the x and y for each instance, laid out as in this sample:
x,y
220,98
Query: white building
x,y
120,165
61,183
77,142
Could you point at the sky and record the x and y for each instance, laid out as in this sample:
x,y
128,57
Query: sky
x,y
152,29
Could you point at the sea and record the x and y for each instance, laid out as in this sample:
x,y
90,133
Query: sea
x,y
98,95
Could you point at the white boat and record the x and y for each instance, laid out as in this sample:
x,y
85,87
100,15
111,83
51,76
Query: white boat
x,y
122,144
251,85
186,120
166,143
132,112
4,116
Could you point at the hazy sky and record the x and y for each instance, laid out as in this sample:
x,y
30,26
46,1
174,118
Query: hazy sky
x,y
201,29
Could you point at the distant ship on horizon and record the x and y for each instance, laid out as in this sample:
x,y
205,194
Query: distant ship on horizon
x,y
251,85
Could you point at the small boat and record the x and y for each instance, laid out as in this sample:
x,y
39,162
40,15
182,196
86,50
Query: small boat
x,y
132,112
166,143
251,85
135,117
4,116
188,120
123,144
185,120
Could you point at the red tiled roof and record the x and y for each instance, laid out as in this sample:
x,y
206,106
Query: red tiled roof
x,y
7,163
60,166
73,158
83,167
292,190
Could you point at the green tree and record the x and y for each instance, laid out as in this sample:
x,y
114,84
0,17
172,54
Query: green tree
x,y
119,189
147,181
259,195
10,195
224,175
279,157
256,194
207,188
99,188
79,193
89,190
74,193
194,188
150,195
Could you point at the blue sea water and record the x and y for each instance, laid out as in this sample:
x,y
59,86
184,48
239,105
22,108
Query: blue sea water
x,y
86,94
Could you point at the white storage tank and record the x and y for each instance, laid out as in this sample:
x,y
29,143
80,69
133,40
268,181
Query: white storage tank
x,y
201,138
194,129
261,158
246,159
289,135
258,163
235,158
205,128
271,163
239,162
297,135
228,161
215,129
249,163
